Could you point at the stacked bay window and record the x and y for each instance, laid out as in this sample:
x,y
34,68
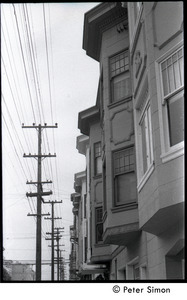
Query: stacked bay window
x,y
124,176
97,158
173,95
146,137
99,224
120,76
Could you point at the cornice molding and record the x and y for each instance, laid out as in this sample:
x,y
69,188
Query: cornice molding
x,y
100,19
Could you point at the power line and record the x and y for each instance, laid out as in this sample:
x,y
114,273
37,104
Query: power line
x,y
17,26
46,44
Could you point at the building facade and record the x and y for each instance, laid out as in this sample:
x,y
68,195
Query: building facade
x,y
135,150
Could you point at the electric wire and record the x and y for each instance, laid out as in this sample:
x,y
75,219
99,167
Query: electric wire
x,y
33,60
48,72
14,80
24,63
33,64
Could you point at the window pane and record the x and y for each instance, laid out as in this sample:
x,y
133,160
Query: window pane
x,y
121,89
99,224
150,150
171,79
119,63
99,214
177,75
97,149
136,273
124,161
176,120
165,82
172,72
181,66
99,233
98,165
125,188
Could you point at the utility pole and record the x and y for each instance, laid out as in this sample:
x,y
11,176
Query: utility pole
x,y
58,237
57,240
52,234
39,193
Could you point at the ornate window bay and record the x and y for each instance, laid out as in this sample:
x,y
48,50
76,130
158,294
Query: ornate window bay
x,y
124,176
172,83
170,78
120,76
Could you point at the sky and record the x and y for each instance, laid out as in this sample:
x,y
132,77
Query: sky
x,y
46,78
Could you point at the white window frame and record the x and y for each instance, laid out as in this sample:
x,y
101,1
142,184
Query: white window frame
x,y
167,152
142,113
130,268
121,75
118,174
97,159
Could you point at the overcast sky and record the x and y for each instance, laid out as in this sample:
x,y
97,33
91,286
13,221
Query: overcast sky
x,y
46,78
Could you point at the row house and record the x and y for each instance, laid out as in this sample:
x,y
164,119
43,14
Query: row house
x,y
133,140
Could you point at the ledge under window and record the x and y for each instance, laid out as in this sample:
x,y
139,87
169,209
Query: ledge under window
x,y
124,207
173,153
97,176
145,177
101,244
117,103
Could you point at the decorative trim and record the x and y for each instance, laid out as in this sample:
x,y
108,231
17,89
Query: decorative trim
x,y
118,17
124,207
117,103
173,153
129,110
121,229
138,62
142,94
141,74
145,177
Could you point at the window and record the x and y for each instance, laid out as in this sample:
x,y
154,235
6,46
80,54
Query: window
x,y
116,269
97,158
172,81
120,76
146,138
133,269
171,72
124,176
136,272
99,224
85,249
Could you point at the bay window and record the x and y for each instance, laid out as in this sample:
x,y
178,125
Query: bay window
x,y
171,106
99,224
120,76
124,176
97,158
173,96
146,139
